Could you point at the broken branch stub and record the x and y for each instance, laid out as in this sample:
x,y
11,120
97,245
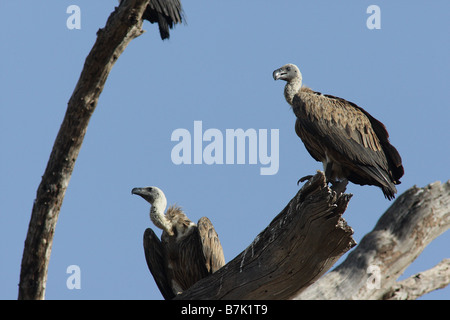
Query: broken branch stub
x,y
301,243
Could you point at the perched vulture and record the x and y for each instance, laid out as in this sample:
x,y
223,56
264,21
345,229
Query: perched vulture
x,y
186,252
351,144
166,13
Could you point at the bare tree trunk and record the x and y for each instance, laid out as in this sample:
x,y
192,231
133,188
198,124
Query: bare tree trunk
x,y
123,25
298,247
415,219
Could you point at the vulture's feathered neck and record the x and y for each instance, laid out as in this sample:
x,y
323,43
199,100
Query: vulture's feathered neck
x,y
292,87
157,214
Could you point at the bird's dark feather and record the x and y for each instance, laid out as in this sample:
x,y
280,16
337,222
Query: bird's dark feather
x,y
166,13
351,136
155,256
191,254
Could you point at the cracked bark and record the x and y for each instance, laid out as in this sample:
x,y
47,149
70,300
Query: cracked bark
x,y
415,219
297,248
287,259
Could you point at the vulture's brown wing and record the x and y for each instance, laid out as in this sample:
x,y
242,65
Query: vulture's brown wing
x,y
358,138
212,249
156,262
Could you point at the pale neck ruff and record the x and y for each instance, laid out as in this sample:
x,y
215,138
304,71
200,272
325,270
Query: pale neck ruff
x,y
159,219
291,89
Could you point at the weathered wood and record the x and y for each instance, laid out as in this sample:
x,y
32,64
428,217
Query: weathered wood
x,y
299,246
424,282
370,271
123,25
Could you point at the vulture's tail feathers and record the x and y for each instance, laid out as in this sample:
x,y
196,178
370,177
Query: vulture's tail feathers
x,y
381,179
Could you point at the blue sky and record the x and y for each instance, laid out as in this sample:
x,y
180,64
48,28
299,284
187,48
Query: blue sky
x,y
216,69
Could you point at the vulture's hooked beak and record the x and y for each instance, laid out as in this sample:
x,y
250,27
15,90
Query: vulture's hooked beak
x,y
137,191
278,74
144,193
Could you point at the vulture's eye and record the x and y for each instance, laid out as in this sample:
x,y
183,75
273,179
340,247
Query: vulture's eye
x,y
288,68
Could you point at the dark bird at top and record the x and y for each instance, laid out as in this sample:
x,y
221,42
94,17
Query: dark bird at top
x,y
166,13
351,144
186,253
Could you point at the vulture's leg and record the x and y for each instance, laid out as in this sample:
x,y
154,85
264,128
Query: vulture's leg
x,y
303,179
328,171
336,185
339,186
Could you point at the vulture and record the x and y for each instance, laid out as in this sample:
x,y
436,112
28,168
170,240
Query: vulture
x,y
186,253
166,13
351,144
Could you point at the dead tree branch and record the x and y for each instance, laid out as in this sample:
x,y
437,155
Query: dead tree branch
x,y
297,248
123,25
415,219
424,282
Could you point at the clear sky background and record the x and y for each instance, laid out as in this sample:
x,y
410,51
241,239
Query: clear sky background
x,y
216,69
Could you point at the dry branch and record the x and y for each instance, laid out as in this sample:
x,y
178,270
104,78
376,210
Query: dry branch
x,y
424,282
416,218
297,248
123,25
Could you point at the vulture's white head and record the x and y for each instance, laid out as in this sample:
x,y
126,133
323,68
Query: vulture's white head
x,y
289,72
153,195
292,75
158,201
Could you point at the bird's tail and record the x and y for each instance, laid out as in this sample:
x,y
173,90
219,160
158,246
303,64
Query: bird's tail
x,y
389,192
382,180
